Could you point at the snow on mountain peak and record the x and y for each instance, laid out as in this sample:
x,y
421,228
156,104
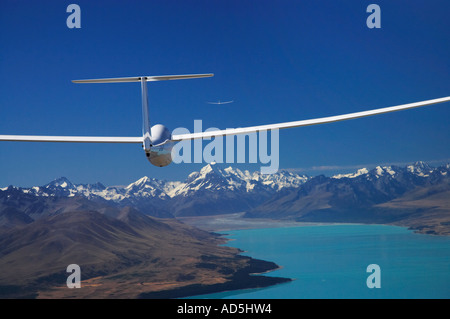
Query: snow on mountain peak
x,y
214,178
210,168
382,170
420,168
206,169
359,172
379,171
139,183
62,182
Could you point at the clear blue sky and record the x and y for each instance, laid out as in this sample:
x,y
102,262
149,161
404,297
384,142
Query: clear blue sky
x,y
278,60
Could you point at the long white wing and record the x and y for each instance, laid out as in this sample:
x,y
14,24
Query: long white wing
x,y
245,130
70,139
321,120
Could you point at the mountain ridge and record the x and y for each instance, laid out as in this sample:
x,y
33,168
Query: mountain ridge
x,y
215,189
161,198
382,195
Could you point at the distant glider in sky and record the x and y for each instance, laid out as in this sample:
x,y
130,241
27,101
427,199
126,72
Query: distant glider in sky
x,y
220,102
158,141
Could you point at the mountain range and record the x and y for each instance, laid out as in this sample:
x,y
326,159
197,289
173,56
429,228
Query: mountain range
x,y
417,196
210,191
384,194
130,242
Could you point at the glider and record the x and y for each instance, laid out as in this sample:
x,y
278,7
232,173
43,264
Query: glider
x,y
158,141
220,102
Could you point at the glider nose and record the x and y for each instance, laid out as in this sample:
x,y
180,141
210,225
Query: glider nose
x,y
160,134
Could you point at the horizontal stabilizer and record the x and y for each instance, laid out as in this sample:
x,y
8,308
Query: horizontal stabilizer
x,y
147,78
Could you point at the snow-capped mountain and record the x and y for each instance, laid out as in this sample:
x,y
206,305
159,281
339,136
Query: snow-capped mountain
x,y
211,177
154,196
216,189
382,194
150,187
214,178
219,190
359,172
420,169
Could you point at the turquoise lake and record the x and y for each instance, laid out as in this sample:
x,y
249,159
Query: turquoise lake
x,y
330,261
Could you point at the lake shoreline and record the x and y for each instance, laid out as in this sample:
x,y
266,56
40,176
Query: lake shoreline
x,y
231,223
331,262
236,221
248,278
251,277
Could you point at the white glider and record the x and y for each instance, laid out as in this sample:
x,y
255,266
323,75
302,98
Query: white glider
x,y
158,141
220,102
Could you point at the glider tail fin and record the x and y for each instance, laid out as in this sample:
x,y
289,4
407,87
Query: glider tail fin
x,y
146,129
